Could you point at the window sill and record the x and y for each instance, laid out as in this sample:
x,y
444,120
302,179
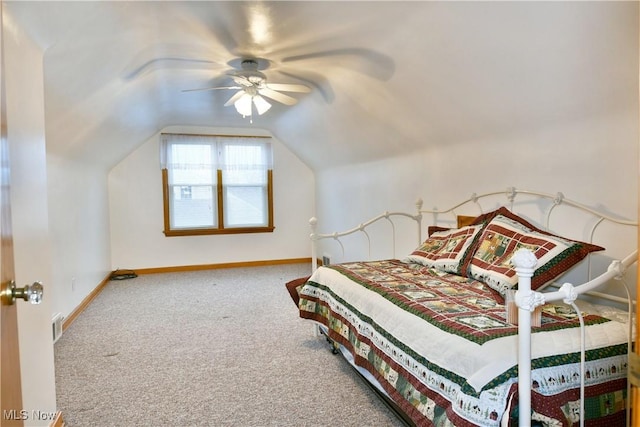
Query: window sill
x,y
210,231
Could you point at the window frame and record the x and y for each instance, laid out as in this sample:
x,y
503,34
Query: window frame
x,y
219,190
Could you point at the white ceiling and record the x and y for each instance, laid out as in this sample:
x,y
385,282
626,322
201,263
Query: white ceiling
x,y
387,77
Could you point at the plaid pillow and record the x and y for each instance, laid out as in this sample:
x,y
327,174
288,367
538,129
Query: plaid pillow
x,y
504,235
447,250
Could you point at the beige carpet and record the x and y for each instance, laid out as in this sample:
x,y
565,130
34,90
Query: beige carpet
x,y
211,348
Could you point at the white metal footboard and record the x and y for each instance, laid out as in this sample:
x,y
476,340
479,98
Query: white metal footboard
x,y
527,300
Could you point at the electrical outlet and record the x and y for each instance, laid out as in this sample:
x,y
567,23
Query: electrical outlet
x,y
73,284
326,260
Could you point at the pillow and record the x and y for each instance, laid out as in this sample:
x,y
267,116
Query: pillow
x,y
435,228
504,235
464,220
447,249
487,217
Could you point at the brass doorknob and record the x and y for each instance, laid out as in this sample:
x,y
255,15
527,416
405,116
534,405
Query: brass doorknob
x,y
31,293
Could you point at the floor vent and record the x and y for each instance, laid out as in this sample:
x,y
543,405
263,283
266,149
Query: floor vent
x,y
57,326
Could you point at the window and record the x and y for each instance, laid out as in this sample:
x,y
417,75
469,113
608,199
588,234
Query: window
x,y
216,184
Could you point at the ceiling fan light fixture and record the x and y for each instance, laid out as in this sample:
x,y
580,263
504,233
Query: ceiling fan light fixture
x,y
243,105
261,104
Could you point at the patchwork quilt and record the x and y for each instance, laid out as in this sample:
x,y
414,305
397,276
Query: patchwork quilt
x,y
441,348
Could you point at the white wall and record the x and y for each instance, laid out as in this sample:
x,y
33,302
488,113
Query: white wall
x,y
79,227
135,203
26,136
593,161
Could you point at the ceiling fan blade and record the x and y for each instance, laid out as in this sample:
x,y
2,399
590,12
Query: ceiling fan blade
x,y
222,27
167,62
234,98
211,88
375,64
240,79
289,87
277,96
316,81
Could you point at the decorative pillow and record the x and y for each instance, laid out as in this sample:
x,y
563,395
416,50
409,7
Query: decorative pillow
x,y
464,220
447,249
504,235
435,228
487,217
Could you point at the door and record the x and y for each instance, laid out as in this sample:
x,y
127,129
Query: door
x,y
10,385
635,389
634,368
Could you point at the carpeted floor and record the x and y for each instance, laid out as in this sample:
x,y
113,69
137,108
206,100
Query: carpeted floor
x,y
211,348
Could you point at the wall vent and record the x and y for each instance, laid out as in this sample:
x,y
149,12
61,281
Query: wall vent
x,y
56,326
326,259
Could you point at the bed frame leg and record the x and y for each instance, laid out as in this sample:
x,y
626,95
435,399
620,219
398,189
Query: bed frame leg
x,y
335,347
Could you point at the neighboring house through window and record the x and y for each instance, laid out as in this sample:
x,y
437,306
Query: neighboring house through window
x,y
216,184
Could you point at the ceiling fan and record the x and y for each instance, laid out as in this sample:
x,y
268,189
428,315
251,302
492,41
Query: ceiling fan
x,y
252,88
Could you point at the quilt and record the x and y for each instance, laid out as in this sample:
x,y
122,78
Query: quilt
x,y
441,348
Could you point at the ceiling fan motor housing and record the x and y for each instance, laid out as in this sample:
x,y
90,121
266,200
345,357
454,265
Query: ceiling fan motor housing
x,y
250,71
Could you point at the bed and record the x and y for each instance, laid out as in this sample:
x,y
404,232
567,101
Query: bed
x,y
475,326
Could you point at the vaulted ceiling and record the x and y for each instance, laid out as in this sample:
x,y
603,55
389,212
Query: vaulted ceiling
x,y
387,78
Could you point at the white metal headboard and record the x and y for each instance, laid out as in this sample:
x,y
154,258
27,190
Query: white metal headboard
x,y
362,228
557,199
510,195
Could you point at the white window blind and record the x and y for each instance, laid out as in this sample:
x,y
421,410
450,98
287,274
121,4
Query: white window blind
x,y
193,162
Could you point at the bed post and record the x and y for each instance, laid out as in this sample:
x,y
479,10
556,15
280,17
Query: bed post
x,y
525,263
313,222
418,218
